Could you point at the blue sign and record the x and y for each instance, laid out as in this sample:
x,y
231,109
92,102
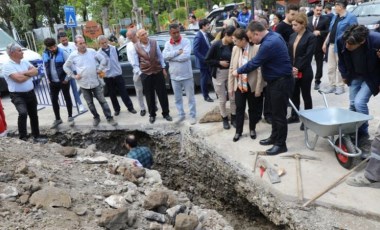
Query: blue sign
x,y
70,16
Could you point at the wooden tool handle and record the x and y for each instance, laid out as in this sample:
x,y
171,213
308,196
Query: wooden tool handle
x,y
299,179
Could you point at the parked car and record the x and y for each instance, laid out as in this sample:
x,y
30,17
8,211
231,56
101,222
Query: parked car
x,y
217,16
29,55
368,14
161,39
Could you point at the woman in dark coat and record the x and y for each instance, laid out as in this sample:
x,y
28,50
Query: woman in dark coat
x,y
218,58
301,49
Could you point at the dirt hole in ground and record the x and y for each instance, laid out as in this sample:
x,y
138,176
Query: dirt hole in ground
x,y
207,179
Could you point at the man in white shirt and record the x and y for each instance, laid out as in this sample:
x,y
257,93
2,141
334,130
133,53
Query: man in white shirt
x,y
177,52
114,79
70,47
193,23
88,64
131,52
18,74
150,66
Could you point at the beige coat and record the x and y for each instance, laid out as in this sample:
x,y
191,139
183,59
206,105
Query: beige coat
x,y
255,80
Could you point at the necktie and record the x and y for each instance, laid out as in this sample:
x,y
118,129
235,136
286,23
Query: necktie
x,y
315,23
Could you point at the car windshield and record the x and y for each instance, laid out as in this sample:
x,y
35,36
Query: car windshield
x,y
367,10
5,40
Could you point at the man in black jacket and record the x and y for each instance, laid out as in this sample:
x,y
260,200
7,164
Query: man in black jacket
x,y
54,58
319,25
359,64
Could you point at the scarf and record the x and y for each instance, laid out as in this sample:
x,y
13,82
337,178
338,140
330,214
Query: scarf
x,y
175,42
243,78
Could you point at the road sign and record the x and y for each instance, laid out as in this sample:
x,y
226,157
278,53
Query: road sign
x,y
70,16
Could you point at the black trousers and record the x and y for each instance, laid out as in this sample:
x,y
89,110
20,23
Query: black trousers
x,y
267,106
26,104
280,90
155,84
318,55
115,84
302,86
55,87
255,109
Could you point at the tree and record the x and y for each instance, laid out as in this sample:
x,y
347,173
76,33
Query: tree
x,y
4,13
20,12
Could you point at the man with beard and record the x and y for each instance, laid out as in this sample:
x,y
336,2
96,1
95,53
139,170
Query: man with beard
x,y
54,58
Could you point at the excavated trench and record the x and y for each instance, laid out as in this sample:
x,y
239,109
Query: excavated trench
x,y
185,165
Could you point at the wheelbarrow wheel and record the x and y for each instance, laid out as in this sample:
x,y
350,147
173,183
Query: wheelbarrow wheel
x,y
349,147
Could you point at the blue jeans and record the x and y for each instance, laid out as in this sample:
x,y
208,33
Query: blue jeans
x,y
188,85
359,97
96,92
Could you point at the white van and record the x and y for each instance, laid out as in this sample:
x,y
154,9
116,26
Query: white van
x,y
29,55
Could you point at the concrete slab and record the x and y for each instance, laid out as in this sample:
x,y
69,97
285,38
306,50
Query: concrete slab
x,y
316,175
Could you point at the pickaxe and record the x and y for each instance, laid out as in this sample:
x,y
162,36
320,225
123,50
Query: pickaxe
x,y
298,158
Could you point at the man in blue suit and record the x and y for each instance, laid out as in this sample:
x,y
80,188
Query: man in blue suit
x,y
201,47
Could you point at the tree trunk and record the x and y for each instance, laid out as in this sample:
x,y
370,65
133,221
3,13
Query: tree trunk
x,y
137,13
155,15
84,14
105,20
258,4
33,14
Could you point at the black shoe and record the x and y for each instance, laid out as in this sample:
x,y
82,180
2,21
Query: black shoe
x,y
208,99
302,127
117,113
168,118
142,113
293,119
226,124
252,134
268,141
236,137
132,111
152,119
268,120
317,86
41,140
276,149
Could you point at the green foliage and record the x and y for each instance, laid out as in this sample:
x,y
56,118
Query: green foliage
x,y
164,19
180,14
200,13
20,12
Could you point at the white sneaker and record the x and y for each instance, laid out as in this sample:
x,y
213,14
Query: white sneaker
x,y
179,120
71,122
193,121
82,109
4,134
329,89
339,90
56,123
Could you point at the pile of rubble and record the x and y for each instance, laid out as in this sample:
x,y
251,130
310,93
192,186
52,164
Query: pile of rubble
x,y
53,187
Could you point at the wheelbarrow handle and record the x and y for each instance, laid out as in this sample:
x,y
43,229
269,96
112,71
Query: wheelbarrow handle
x,y
324,97
294,107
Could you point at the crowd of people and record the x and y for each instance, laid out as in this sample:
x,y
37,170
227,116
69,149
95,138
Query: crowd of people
x,y
250,62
